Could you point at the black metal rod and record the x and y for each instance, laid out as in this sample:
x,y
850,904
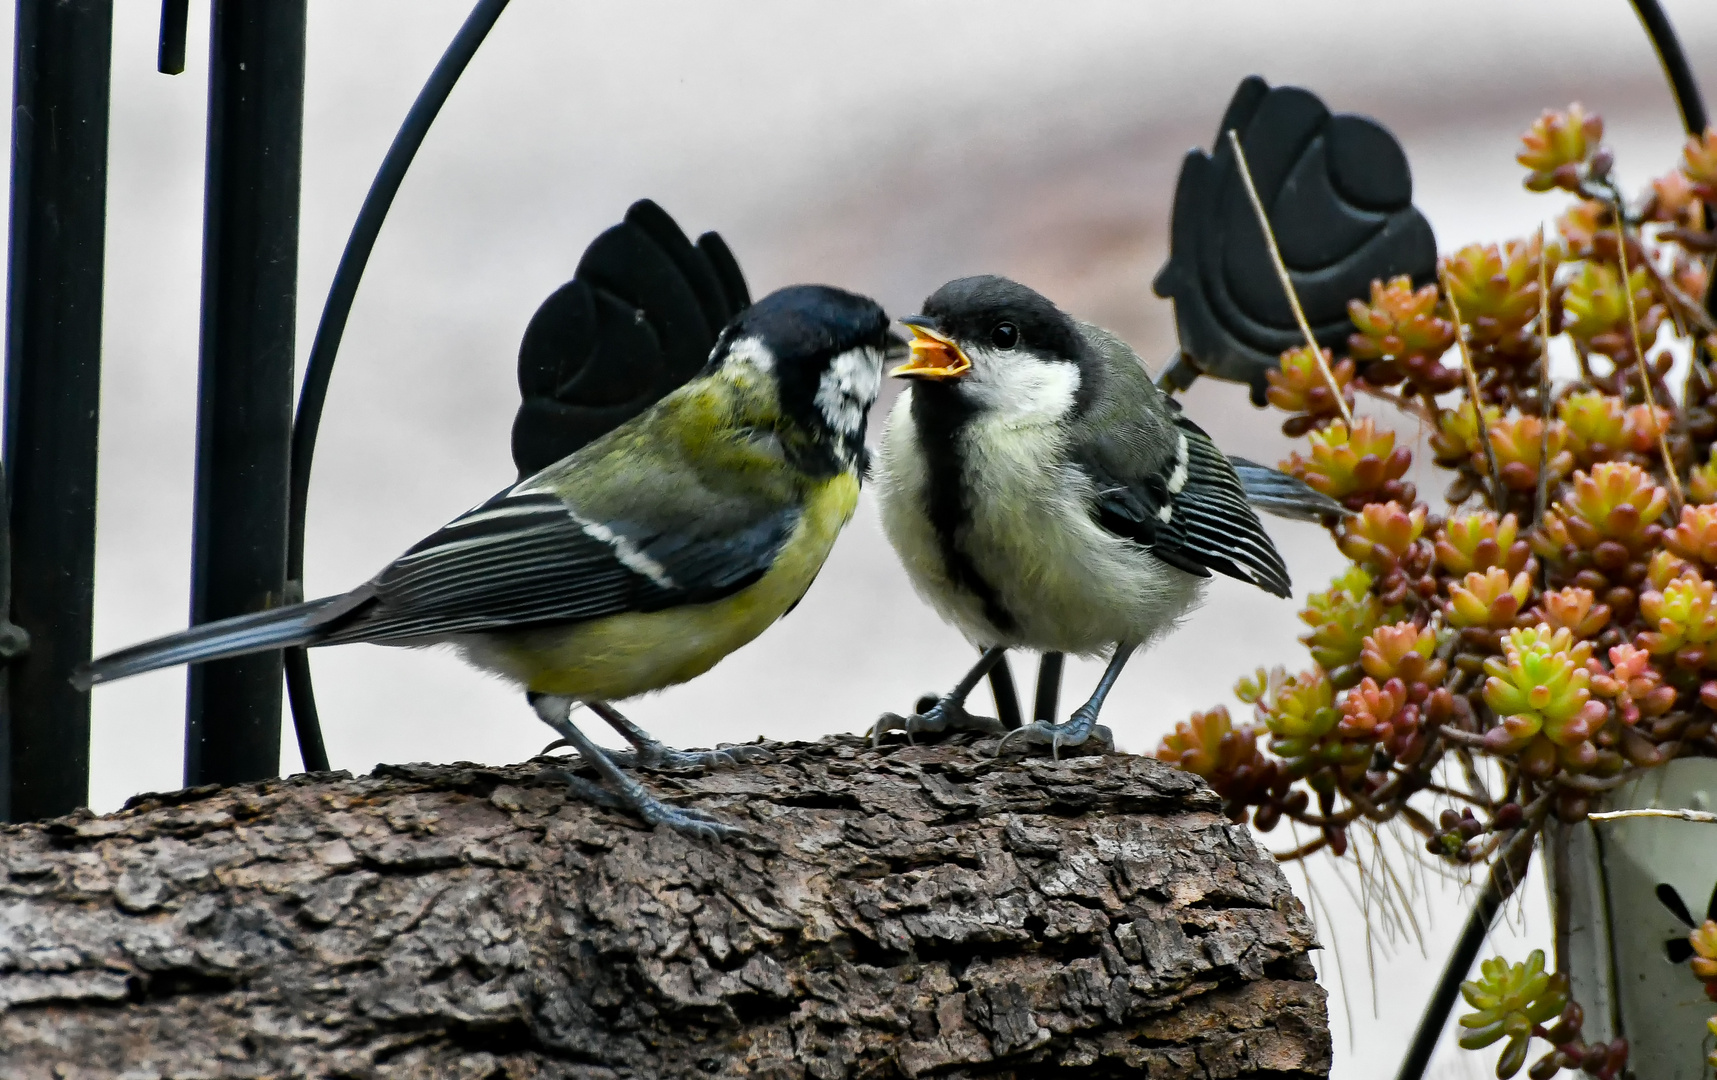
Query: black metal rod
x,y
320,366
1682,85
1047,701
1448,989
53,389
14,643
244,406
170,55
1674,61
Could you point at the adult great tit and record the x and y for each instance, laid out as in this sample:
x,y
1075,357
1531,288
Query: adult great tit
x,y
637,562
1043,493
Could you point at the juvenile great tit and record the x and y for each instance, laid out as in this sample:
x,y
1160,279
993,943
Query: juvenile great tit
x,y
637,562
1043,493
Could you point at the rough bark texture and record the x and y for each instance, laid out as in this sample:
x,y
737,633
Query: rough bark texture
x,y
925,912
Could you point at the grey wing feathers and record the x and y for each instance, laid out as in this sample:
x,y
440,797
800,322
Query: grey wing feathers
x,y
527,559
1285,496
1194,516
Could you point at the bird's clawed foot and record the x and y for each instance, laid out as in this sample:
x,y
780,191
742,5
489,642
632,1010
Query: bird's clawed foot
x,y
945,715
1080,729
619,791
659,756
633,799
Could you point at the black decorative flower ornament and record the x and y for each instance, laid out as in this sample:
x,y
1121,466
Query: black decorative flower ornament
x,y
638,319
1339,197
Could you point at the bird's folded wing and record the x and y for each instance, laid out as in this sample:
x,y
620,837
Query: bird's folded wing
x,y
1191,512
528,559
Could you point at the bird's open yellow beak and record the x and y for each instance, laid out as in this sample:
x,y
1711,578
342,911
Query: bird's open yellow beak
x,y
934,355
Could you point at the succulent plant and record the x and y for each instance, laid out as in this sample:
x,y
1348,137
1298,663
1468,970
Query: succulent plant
x,y
1404,651
1354,466
1684,614
1704,959
1695,538
1672,200
1596,424
1403,336
1509,1000
1227,756
1635,688
1456,440
1479,541
1382,534
1557,144
1583,230
1699,164
1558,622
1595,309
1541,685
1340,618
1517,442
1575,610
1377,715
1702,480
1489,599
1496,290
1616,501
1298,386
1301,714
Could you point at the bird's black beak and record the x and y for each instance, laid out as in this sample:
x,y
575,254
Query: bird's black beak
x,y
934,354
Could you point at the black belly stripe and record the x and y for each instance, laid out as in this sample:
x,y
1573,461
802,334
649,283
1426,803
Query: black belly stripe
x,y
939,414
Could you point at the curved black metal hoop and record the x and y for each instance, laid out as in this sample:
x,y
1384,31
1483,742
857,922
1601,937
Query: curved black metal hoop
x,y
1674,61
320,366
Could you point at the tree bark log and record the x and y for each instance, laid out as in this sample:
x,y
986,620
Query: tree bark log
x,y
925,911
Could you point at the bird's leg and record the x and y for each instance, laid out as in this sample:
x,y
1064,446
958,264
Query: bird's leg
x,y
1007,699
650,753
950,710
621,791
1048,699
1083,723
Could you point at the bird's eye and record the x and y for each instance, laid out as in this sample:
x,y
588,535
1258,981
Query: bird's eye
x,y
1004,336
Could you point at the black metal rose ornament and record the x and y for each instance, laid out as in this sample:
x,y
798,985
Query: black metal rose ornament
x,y
1339,197
638,319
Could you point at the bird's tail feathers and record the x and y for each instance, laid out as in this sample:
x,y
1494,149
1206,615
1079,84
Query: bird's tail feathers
x,y
1275,492
276,628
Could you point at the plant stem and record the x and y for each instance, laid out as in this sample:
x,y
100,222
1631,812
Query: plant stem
x,y
1282,273
1679,815
1498,496
1644,371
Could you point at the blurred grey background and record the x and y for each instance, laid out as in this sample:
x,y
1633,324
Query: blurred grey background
x,y
884,147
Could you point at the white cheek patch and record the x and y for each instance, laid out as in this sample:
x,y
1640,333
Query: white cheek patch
x,y
752,352
848,388
1015,385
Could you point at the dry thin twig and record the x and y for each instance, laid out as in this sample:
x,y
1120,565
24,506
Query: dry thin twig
x,y
1497,494
1644,372
1679,815
1282,273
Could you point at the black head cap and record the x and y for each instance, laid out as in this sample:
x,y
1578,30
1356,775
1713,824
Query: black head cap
x,y
979,311
811,324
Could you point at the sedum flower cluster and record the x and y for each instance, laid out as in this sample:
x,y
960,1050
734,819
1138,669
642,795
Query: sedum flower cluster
x,y
1556,613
